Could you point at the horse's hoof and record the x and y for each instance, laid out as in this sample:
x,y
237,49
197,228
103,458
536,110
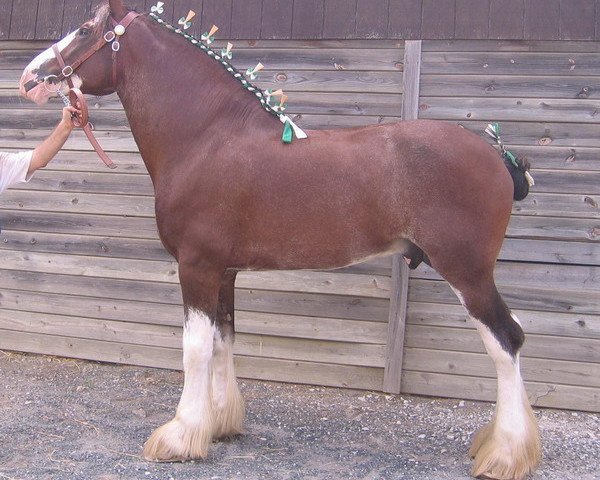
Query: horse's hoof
x,y
177,442
499,455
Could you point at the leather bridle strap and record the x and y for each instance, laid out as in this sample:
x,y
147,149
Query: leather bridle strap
x,y
112,36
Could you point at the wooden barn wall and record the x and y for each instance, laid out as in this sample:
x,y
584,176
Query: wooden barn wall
x,y
84,275
546,97
332,19
82,271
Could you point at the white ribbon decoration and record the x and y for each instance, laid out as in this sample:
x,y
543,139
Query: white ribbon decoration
x,y
300,134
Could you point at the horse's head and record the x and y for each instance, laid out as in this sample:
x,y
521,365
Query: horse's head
x,y
88,59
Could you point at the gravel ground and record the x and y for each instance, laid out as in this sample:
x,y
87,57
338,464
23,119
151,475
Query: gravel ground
x,y
71,419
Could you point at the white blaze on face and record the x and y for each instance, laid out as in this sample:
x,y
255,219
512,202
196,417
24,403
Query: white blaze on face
x,y
48,54
41,94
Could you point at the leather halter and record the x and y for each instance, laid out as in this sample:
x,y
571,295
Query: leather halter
x,y
75,95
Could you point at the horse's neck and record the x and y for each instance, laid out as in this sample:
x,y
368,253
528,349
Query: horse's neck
x,y
179,100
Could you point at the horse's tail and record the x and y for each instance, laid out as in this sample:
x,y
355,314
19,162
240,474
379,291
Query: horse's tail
x,y
522,180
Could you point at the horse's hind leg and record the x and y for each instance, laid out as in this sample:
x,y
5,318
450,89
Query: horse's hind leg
x,y
190,433
228,402
509,447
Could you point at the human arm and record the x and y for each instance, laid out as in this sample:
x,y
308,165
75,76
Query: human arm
x,y
46,150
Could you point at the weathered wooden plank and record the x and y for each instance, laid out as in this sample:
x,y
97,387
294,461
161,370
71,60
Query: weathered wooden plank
x,y
480,365
91,328
542,20
49,20
338,81
543,276
286,58
339,19
292,303
317,282
136,313
405,18
310,373
166,271
519,86
562,158
572,229
541,323
392,377
28,117
78,224
5,21
510,110
556,181
472,19
23,19
484,389
110,140
128,247
369,355
112,247
524,298
509,46
217,12
290,80
577,20
341,353
89,182
75,13
516,134
276,19
506,19
372,18
308,19
119,205
556,228
566,253
258,368
246,19
536,346
559,205
438,19
510,63
319,328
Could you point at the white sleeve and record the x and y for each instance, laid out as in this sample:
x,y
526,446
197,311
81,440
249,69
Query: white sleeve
x,y
14,168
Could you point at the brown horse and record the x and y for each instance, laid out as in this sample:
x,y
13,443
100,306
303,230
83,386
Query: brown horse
x,y
231,196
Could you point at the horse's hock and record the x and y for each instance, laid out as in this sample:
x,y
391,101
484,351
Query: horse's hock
x,y
84,274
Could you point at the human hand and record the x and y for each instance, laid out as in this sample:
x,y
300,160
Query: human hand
x,y
67,116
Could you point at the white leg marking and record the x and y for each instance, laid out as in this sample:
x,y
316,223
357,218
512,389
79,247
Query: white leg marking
x,y
227,399
190,433
509,447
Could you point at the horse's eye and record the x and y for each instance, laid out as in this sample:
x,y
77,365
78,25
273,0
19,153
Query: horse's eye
x,y
84,32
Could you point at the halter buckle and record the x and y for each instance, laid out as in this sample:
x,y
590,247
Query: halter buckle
x,y
116,46
67,71
109,36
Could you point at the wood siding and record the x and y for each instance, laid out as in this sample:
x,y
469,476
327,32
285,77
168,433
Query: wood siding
x,y
83,273
333,19
546,97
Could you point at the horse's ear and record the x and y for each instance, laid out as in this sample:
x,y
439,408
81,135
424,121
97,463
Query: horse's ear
x,y
117,9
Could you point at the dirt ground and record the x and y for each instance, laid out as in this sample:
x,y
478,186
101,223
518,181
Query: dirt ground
x,y
71,419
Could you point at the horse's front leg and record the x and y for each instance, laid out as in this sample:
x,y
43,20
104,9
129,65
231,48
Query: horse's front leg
x,y
228,402
190,433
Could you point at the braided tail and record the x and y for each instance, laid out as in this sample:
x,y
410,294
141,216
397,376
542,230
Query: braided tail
x,y
518,167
